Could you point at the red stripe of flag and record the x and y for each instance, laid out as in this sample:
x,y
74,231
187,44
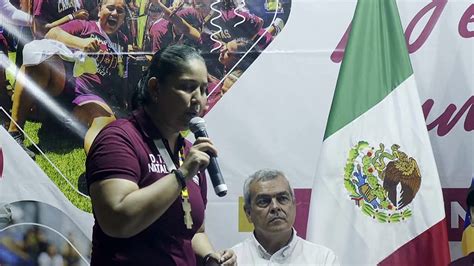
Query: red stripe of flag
x,y
429,248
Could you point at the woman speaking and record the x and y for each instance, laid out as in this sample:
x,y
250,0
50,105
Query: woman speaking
x,y
148,193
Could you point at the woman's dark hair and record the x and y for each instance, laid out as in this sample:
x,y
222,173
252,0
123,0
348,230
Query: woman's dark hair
x,y
470,199
167,62
226,5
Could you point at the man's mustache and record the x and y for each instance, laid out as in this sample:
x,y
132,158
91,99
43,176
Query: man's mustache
x,y
274,217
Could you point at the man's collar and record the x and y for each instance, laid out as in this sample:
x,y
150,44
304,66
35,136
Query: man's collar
x,y
283,252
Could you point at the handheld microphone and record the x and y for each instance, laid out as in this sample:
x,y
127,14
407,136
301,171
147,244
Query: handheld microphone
x,y
197,125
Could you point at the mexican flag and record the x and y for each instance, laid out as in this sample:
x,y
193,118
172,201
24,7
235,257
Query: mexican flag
x,y
376,197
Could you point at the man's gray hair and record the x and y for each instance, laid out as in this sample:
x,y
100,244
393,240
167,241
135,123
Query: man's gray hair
x,y
263,175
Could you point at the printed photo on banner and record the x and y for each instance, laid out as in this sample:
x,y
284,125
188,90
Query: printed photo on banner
x,y
72,67
35,233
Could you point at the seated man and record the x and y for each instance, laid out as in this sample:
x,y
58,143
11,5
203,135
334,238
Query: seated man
x,y
270,206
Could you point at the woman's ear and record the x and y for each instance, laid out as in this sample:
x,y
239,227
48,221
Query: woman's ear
x,y
153,88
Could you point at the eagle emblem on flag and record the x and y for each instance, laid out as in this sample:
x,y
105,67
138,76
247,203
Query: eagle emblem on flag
x,y
382,183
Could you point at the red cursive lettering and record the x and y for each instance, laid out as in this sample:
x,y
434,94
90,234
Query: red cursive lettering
x,y
445,122
338,53
467,17
438,6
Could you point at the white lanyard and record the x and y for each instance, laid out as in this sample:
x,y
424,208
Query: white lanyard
x,y
164,154
185,201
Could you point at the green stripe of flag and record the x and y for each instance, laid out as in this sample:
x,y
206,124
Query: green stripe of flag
x,y
375,62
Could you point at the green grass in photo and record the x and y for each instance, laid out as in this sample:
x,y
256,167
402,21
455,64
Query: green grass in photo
x,y
66,152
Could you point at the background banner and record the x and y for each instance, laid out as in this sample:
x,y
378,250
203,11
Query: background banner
x,y
273,73
278,109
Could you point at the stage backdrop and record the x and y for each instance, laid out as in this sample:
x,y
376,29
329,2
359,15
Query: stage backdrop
x,y
274,116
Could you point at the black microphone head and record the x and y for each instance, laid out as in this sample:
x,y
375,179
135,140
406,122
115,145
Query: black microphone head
x,y
197,124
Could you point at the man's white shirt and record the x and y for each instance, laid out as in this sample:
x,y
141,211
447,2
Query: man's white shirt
x,y
297,252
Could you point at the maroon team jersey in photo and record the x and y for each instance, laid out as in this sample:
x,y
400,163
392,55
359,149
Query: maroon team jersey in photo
x,y
111,47
235,24
109,57
47,11
162,35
